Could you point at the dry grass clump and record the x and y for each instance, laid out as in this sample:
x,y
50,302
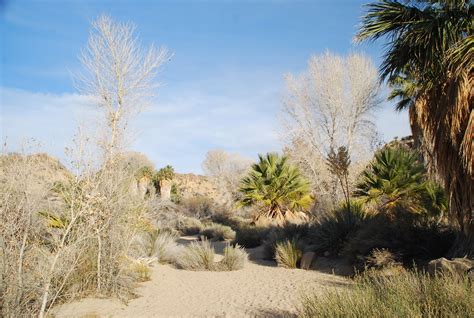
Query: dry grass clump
x,y
189,226
218,232
382,258
197,256
287,254
235,258
409,294
165,248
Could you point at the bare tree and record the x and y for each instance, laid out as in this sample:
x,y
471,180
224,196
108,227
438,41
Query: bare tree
x,y
119,75
329,106
226,171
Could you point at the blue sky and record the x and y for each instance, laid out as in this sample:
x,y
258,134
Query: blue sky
x,y
222,88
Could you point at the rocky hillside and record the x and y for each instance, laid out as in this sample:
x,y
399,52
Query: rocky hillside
x,y
192,185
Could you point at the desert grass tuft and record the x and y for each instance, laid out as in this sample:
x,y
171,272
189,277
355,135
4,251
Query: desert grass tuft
x,y
235,258
197,256
408,294
287,254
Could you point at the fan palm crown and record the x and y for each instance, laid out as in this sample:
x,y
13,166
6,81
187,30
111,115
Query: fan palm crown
x,y
277,186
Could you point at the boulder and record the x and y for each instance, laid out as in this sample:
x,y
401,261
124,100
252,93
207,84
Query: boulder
x,y
307,260
461,266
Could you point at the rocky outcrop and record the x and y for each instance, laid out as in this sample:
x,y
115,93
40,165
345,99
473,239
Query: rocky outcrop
x,y
460,266
192,185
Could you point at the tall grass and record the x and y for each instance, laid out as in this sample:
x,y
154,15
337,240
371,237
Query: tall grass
x,y
409,294
287,254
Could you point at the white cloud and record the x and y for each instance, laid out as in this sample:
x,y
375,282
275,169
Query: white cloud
x,y
179,129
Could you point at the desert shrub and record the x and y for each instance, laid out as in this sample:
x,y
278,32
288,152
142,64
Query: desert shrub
x,y
198,206
229,220
234,258
189,226
165,248
297,232
140,268
197,256
382,258
331,231
250,236
409,294
287,254
218,232
412,241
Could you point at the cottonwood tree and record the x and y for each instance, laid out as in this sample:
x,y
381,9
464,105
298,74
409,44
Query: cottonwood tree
x,y
120,76
226,171
330,105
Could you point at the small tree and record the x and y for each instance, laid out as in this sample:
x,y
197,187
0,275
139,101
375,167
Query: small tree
x,y
339,164
277,186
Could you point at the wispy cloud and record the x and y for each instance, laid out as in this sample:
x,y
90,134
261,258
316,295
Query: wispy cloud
x,y
177,131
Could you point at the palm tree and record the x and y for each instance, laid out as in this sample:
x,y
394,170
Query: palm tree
x,y
277,186
396,180
429,63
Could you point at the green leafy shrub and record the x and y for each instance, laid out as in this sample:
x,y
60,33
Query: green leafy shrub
x,y
189,226
409,294
235,258
218,232
287,254
197,256
250,236
412,241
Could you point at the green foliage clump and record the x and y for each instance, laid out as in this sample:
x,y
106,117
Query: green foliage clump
x,y
333,230
287,254
218,232
176,196
277,186
166,173
408,294
397,181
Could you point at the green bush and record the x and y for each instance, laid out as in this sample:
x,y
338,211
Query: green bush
x,y
297,232
409,294
411,241
230,220
197,256
250,236
332,231
234,258
218,232
287,254
189,226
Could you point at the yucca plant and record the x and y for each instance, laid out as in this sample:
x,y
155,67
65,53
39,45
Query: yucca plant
x,y
277,186
429,64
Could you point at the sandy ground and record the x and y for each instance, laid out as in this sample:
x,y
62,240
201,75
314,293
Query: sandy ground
x,y
260,289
